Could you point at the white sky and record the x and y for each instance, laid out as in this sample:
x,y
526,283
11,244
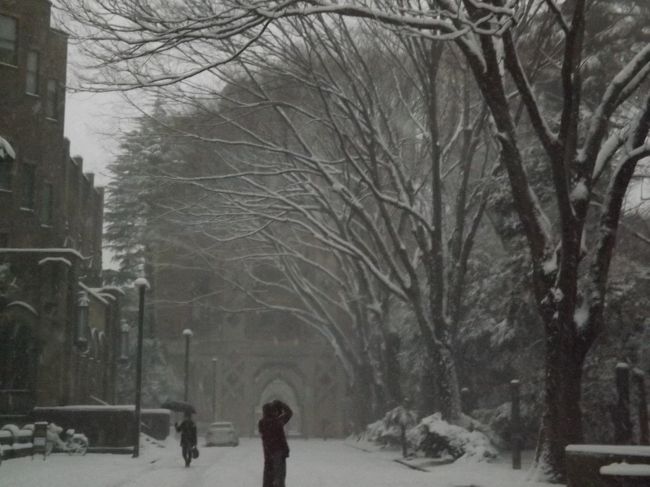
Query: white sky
x,y
93,123
93,130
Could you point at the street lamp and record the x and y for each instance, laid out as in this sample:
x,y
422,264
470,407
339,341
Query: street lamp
x,y
142,285
214,388
187,333
124,341
82,321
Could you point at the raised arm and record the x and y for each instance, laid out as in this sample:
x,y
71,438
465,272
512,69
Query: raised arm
x,y
285,411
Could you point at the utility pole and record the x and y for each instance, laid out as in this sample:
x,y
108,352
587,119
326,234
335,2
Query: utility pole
x,y
142,285
187,333
214,388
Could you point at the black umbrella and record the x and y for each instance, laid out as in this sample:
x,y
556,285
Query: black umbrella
x,y
180,406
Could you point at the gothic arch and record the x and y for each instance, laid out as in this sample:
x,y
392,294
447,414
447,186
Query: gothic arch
x,y
286,383
18,348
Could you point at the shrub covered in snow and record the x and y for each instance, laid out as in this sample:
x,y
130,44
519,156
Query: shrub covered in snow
x,y
437,438
381,432
388,430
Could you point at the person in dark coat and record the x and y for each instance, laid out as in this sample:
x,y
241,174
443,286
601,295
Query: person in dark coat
x,y
274,442
187,429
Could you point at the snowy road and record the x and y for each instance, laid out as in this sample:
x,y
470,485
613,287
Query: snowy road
x,y
313,463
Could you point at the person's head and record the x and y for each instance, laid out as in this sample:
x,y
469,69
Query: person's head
x,y
276,404
188,415
268,410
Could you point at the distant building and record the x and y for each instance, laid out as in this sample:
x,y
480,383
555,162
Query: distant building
x,y
51,217
239,361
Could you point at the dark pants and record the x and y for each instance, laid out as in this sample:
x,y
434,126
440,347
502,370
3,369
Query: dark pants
x,y
187,453
275,470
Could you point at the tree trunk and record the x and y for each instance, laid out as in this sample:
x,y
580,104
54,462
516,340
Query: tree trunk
x,y
562,418
362,402
392,373
439,390
427,397
448,390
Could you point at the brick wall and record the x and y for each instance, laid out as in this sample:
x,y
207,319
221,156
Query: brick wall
x,y
50,228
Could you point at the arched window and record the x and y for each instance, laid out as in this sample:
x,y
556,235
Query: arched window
x,y
18,348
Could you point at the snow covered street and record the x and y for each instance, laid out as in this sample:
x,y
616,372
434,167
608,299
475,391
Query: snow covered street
x,y
313,463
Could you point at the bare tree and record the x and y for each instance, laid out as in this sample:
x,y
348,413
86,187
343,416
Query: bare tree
x,y
360,170
583,143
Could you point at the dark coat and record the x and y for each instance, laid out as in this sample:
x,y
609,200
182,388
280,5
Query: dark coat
x,y
271,430
188,432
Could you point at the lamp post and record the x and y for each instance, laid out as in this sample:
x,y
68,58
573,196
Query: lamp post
x,y
82,322
124,341
81,342
187,333
142,285
214,388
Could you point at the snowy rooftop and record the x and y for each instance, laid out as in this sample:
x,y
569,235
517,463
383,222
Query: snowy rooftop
x,y
60,250
87,407
631,450
626,470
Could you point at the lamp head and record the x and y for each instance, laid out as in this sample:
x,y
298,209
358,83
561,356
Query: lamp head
x,y
141,282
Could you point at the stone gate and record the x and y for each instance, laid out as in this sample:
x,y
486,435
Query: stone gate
x,y
258,359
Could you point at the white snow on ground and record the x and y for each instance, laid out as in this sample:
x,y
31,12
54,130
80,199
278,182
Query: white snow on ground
x,y
313,463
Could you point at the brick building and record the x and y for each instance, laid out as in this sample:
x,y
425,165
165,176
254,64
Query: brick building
x,y
53,349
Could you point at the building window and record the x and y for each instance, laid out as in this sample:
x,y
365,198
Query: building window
x,y
28,185
8,31
52,101
47,212
31,84
5,175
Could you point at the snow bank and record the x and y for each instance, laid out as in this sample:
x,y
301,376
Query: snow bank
x,y
437,437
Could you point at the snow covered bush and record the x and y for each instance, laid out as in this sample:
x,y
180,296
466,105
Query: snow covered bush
x,y
437,438
388,430
379,432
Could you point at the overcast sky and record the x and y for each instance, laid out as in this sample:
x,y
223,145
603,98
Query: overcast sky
x,y
93,131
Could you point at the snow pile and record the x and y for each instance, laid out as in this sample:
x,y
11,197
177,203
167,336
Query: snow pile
x,y
437,438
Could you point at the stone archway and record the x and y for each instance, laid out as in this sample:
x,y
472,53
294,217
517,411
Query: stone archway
x,y
278,389
283,382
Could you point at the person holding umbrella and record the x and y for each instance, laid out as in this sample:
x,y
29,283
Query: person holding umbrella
x,y
187,429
